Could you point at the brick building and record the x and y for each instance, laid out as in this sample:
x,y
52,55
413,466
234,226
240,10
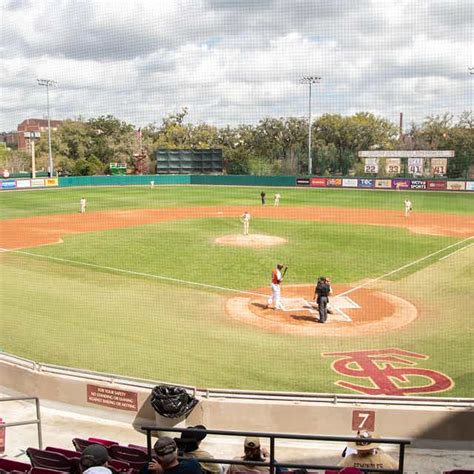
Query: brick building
x,y
33,125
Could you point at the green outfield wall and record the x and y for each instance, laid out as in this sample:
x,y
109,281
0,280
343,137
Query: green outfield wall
x,y
243,180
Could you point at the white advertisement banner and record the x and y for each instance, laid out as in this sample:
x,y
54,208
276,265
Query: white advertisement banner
x,y
37,183
371,165
23,183
469,185
349,183
392,165
416,166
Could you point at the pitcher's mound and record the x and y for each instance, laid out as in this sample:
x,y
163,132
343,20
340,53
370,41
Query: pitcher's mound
x,y
252,240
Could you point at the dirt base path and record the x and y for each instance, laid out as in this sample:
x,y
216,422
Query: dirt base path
x,y
50,229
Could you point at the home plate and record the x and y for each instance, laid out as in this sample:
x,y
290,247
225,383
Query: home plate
x,y
337,305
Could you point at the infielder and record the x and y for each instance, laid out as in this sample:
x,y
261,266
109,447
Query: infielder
x,y
408,207
245,219
277,276
277,199
83,204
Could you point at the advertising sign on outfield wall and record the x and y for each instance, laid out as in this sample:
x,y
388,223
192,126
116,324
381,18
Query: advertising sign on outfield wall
x,y
37,183
383,183
302,181
51,182
469,185
334,182
318,182
436,185
23,183
350,182
401,183
456,185
417,184
10,184
366,183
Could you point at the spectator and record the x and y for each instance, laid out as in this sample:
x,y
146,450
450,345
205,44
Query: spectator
x,y
368,454
93,460
188,446
166,460
252,452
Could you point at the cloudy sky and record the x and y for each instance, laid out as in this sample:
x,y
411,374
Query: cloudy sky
x,y
234,61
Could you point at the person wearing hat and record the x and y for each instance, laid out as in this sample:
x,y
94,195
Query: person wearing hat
x,y
166,460
252,452
368,454
188,447
93,460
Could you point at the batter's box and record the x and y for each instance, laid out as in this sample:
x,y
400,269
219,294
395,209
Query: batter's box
x,y
337,305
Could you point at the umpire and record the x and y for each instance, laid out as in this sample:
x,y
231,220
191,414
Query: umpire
x,y
321,294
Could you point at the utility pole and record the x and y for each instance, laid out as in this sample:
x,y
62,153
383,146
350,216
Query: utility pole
x,y
310,80
48,83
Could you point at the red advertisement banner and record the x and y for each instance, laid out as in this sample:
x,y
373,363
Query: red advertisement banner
x,y
436,185
318,182
334,182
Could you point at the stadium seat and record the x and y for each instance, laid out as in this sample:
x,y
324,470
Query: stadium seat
x,y
119,466
49,460
69,453
42,470
141,448
105,442
136,458
9,465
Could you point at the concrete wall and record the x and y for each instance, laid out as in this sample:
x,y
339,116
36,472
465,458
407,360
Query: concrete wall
x,y
427,426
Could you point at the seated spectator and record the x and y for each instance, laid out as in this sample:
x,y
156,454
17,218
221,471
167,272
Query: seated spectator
x,y
252,452
368,454
93,460
166,460
188,447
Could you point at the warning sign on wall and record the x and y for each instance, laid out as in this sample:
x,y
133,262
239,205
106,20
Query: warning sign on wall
x,y
112,398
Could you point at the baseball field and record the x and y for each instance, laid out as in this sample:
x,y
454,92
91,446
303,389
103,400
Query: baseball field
x,y
161,284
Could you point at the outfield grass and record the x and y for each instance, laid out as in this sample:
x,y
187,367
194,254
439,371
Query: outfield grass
x,y
59,201
73,315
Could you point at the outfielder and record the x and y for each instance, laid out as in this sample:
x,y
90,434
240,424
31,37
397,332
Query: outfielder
x,y
245,219
277,277
408,207
277,199
83,204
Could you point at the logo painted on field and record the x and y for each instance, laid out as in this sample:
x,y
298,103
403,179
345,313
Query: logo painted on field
x,y
388,372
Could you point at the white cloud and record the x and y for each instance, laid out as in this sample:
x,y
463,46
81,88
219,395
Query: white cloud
x,y
234,61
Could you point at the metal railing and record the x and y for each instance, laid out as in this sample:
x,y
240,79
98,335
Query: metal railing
x,y
272,463
36,421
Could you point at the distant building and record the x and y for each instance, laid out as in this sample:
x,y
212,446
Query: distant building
x,y
9,139
33,125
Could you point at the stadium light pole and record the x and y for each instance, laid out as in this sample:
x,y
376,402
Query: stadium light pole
x,y
310,80
48,83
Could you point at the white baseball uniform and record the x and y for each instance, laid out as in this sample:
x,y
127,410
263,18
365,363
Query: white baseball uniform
x,y
275,299
408,207
277,199
83,203
245,219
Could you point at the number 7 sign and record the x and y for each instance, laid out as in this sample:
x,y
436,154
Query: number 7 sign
x,y
363,420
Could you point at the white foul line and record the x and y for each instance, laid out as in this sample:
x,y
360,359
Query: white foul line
x,y
130,272
456,251
401,268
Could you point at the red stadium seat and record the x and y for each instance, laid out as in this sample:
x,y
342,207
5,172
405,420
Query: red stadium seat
x,y
42,470
136,458
9,465
49,460
119,466
105,442
69,453
142,448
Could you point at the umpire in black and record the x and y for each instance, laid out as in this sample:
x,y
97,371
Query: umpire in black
x,y
321,294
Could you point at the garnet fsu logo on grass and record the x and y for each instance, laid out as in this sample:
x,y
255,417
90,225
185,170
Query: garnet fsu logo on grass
x,y
388,372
